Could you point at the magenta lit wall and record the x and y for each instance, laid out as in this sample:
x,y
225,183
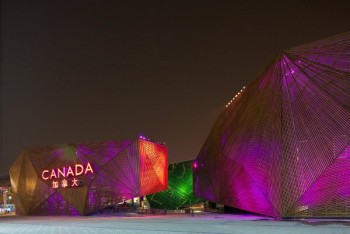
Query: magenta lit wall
x,y
281,146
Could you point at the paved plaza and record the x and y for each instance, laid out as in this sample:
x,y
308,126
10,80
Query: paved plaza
x,y
171,223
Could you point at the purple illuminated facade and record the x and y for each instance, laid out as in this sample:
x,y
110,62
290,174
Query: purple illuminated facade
x,y
78,179
281,147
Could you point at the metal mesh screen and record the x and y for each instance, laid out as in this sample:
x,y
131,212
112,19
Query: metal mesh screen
x,y
180,191
47,180
280,146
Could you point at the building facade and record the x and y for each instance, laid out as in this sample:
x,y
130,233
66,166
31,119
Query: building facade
x,y
180,190
5,192
78,179
281,146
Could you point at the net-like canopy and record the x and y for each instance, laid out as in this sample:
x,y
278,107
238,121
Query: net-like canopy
x,y
281,146
83,178
180,190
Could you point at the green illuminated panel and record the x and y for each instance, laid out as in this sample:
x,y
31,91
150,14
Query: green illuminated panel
x,y
180,190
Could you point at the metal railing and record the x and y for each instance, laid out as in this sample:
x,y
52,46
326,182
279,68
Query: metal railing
x,y
149,211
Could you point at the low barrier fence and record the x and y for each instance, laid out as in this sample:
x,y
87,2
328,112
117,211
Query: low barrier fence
x,y
149,211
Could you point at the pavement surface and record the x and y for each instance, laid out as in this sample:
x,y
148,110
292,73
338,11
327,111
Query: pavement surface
x,y
170,223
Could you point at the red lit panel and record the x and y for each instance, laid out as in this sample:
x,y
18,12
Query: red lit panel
x,y
153,167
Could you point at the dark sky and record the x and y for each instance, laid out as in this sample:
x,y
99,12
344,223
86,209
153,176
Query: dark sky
x,y
86,71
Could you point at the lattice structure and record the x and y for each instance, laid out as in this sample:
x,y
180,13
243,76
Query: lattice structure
x,y
180,191
78,179
281,147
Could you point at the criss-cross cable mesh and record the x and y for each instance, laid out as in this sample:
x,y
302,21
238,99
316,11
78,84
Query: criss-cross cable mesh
x,y
281,147
119,171
180,191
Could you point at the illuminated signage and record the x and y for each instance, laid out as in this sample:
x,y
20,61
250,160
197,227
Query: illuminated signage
x,y
66,174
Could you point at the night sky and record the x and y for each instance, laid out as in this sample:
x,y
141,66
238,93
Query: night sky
x,y
88,71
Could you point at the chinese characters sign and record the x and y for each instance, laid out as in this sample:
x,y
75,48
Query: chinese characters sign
x,y
66,176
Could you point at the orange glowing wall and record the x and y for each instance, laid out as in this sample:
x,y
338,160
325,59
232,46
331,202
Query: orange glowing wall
x,y
153,167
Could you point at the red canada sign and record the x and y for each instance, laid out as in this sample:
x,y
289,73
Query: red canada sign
x,y
67,174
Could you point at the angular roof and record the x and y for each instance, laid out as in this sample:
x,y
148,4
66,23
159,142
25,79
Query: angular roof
x,y
280,147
